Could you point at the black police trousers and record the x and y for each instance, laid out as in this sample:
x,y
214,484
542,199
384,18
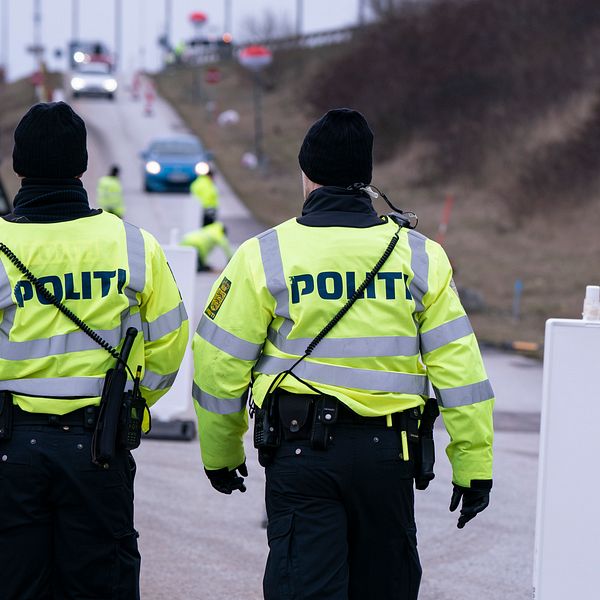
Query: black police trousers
x,y
341,521
66,525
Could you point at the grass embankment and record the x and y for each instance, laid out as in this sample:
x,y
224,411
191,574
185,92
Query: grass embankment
x,y
15,99
553,250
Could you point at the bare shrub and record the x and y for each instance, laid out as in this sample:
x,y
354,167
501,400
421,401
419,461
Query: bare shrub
x,y
462,74
561,174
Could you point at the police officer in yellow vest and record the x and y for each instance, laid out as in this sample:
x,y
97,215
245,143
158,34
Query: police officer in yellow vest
x,y
205,191
110,193
66,525
340,392
205,239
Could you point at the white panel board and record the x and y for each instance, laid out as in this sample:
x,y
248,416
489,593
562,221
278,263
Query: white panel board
x,y
177,402
567,544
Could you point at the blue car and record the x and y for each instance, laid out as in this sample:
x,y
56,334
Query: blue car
x,y
172,163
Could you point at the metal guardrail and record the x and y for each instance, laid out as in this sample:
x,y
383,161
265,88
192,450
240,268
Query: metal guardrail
x,y
211,53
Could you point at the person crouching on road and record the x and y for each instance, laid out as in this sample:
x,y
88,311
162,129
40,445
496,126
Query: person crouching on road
x,y
205,240
337,410
110,193
66,523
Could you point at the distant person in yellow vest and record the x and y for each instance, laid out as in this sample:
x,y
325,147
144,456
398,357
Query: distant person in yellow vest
x,y
179,51
205,191
110,193
205,239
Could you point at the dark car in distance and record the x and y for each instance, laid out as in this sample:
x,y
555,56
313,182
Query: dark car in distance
x,y
172,163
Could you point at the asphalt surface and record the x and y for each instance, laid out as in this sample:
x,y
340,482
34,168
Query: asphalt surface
x,y
198,544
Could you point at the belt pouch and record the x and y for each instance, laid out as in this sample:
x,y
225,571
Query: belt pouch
x,y
294,412
6,415
326,410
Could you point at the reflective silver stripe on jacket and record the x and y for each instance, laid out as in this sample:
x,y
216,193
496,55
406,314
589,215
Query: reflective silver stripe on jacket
x,y
273,267
465,394
5,289
7,306
227,342
156,381
58,387
348,347
136,256
419,264
165,324
445,334
382,381
219,406
76,341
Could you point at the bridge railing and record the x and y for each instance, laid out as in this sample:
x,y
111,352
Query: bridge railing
x,y
207,53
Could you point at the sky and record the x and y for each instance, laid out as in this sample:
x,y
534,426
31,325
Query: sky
x,y
143,22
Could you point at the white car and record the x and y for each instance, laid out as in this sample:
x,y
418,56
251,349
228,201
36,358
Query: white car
x,y
93,79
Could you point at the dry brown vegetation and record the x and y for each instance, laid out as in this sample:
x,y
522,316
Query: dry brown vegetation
x,y
494,102
15,99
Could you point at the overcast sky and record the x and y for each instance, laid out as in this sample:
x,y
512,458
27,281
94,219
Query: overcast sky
x,y
143,22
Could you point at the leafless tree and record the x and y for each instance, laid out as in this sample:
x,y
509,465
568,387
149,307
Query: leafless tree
x,y
268,26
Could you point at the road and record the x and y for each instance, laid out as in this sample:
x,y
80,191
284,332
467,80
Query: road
x,y
199,544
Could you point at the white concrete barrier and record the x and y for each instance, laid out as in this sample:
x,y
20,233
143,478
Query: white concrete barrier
x,y
177,402
567,540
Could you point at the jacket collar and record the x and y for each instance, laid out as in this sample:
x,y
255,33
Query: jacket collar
x,y
50,201
331,206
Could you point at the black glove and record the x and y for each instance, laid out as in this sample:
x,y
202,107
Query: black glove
x,y
474,499
226,481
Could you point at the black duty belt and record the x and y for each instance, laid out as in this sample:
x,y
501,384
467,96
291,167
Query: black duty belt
x,y
82,417
346,415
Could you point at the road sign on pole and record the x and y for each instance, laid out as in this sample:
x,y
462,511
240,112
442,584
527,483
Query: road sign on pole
x,y
256,58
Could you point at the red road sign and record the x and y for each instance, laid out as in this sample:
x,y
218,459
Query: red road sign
x,y
212,75
198,17
255,57
37,78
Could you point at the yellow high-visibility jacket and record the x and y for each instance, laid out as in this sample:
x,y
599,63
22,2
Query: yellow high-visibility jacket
x,y
110,195
113,276
205,191
206,238
408,330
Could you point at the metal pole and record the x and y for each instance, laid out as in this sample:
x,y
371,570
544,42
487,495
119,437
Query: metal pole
x,y
258,119
227,19
299,16
37,32
361,12
5,38
118,36
74,20
141,36
168,18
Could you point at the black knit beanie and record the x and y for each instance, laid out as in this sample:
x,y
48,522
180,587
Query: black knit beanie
x,y
50,142
338,149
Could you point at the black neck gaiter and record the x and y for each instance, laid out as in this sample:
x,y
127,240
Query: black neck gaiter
x,y
50,201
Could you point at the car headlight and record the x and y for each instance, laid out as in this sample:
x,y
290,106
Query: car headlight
x,y
77,83
110,85
202,168
79,56
153,167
